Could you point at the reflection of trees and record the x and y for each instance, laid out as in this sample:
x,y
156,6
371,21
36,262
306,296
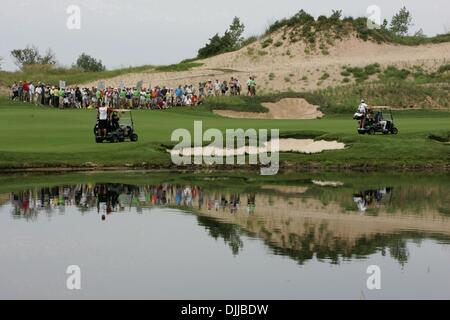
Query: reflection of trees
x,y
229,232
320,243
304,247
399,251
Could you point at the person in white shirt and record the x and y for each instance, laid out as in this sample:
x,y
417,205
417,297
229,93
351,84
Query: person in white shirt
x,y
31,92
38,95
362,109
103,120
217,88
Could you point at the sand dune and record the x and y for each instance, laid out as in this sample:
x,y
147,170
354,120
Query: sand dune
x,y
289,67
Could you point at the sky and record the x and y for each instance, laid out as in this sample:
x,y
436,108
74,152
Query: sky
x,y
126,33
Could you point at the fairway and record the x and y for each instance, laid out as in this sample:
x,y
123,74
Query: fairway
x,y
42,137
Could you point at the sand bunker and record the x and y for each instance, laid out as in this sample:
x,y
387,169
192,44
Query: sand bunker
x,y
289,108
285,145
328,183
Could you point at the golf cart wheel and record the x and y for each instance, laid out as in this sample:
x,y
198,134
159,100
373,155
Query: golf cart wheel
x,y
371,131
98,140
394,131
134,137
114,138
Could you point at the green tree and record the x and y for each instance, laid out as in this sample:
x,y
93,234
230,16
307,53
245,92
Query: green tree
x,y
401,22
87,63
49,57
30,55
234,33
230,41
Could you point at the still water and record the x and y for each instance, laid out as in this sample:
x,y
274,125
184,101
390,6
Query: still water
x,y
212,236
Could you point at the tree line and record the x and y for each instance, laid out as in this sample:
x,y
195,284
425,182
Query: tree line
x,y
31,55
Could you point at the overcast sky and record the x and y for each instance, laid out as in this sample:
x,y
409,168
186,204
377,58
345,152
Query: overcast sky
x,y
136,32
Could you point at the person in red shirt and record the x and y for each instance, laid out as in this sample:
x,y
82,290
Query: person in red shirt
x,y
26,90
194,100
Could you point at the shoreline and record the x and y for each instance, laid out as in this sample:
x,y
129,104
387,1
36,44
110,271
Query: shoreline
x,y
225,168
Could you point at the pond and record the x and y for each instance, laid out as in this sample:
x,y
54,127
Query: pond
x,y
165,235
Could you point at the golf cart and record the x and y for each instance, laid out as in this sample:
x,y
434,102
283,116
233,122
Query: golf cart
x,y
119,129
373,125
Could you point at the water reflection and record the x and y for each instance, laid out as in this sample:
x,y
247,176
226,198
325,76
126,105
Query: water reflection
x,y
371,198
112,198
302,222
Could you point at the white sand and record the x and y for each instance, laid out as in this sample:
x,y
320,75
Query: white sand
x,y
284,145
328,183
289,108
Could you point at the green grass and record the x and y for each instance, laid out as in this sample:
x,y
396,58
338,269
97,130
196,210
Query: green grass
x,y
183,66
45,137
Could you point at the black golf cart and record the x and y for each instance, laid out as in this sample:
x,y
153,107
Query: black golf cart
x,y
373,125
119,129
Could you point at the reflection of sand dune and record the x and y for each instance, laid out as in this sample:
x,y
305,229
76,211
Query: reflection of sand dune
x,y
285,189
4,198
280,218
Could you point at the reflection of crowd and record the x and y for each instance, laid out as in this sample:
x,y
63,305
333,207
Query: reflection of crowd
x,y
110,198
366,199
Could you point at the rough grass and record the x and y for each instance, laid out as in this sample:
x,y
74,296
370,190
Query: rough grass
x,y
183,66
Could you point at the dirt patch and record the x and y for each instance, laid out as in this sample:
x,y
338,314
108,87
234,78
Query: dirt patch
x,y
288,108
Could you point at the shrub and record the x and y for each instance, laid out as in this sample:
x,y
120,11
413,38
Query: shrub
x,y
87,63
267,42
392,72
325,76
278,44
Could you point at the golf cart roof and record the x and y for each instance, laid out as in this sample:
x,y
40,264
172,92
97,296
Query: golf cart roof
x,y
122,110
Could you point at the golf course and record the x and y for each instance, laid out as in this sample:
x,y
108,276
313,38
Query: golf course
x,y
269,152
309,85
42,137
